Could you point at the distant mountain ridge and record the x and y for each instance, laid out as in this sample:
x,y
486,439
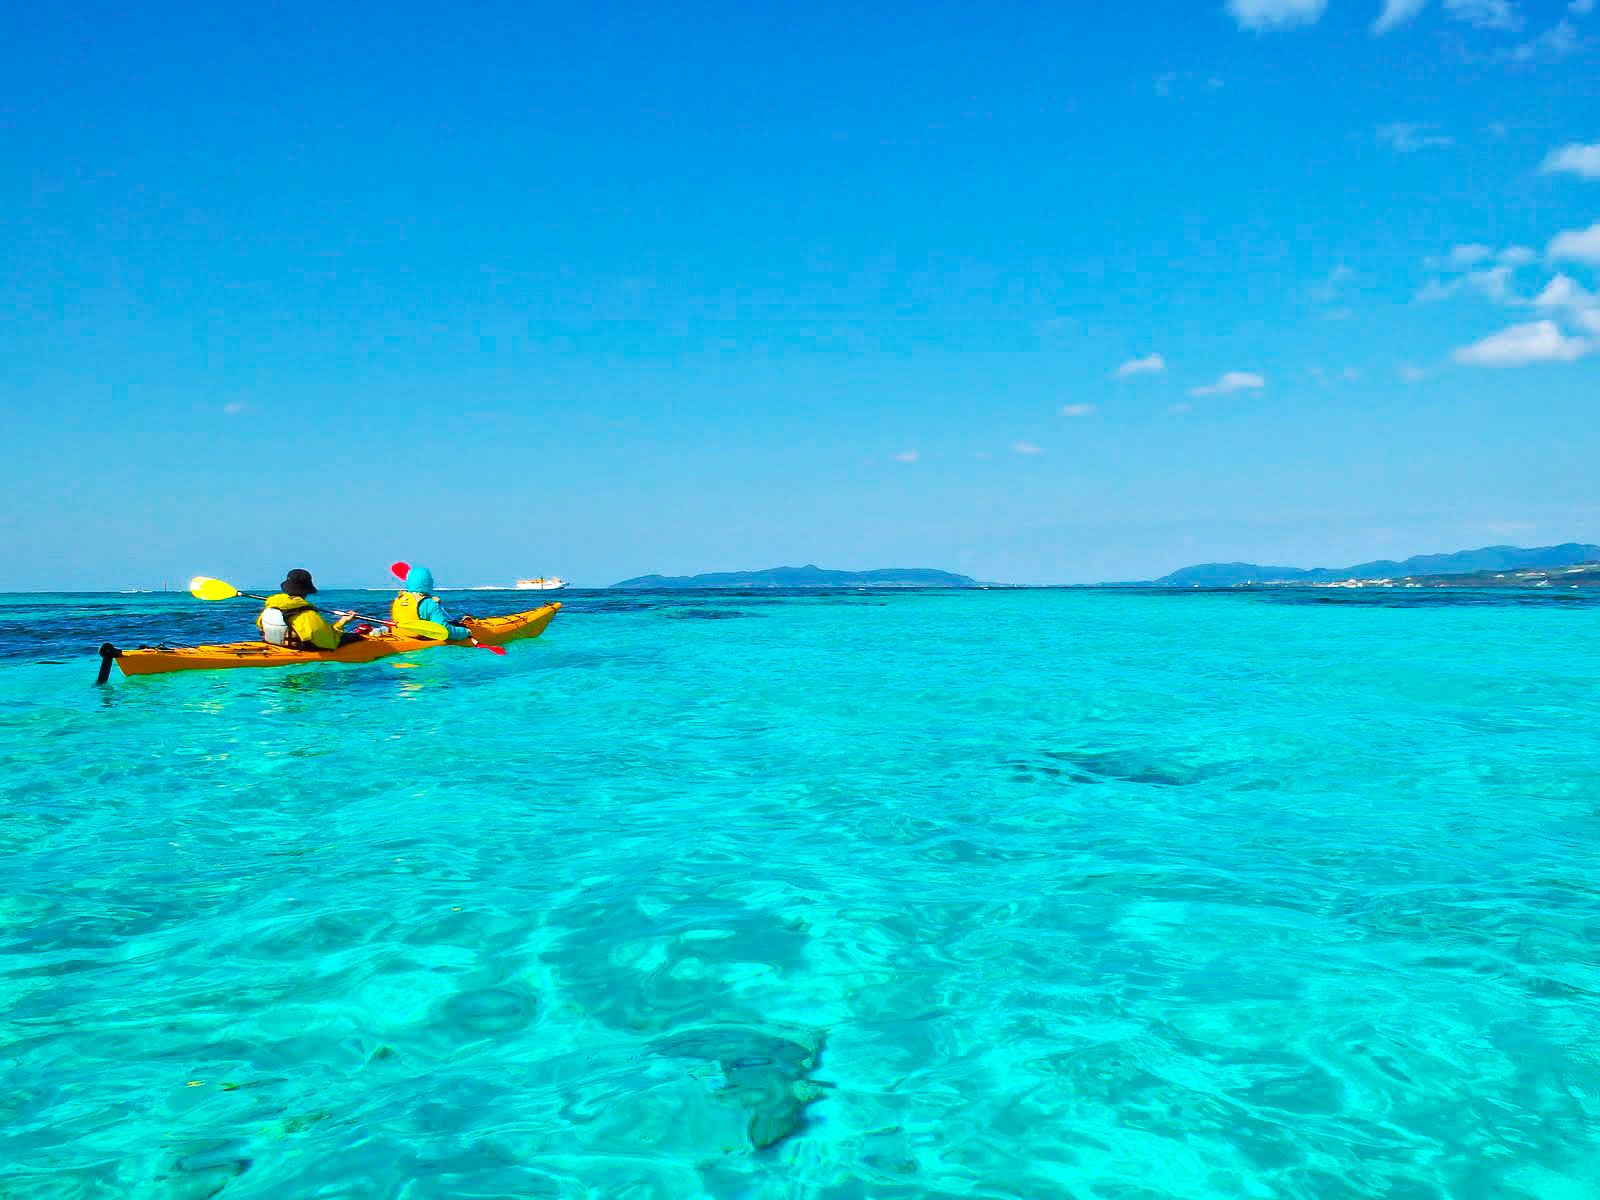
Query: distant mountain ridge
x,y
1464,562
800,577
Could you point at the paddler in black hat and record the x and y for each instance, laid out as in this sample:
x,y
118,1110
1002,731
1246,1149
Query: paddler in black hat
x,y
290,620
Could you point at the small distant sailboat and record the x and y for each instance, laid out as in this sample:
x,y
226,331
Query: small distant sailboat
x,y
541,585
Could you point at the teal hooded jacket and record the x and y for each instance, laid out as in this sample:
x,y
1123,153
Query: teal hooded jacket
x,y
420,580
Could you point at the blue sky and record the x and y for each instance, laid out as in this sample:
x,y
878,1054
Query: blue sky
x,y
1035,292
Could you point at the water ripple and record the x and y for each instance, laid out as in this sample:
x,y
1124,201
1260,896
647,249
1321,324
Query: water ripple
x,y
1006,894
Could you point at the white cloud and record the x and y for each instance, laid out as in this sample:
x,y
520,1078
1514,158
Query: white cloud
x,y
1182,406
1576,245
1150,364
1522,345
1510,528
1470,254
234,407
907,456
1554,44
1026,448
1495,283
1397,13
1575,157
1329,289
1467,255
1407,137
1576,303
1486,14
1231,381
1076,410
1565,292
1184,83
1263,15
1412,374
1559,41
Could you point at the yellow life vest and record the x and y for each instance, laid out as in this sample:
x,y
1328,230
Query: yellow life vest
x,y
406,607
291,609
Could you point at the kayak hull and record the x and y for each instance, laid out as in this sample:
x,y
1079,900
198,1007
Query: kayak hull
x,y
491,631
497,631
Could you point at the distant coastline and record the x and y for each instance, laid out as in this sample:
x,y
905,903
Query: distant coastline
x,y
1579,575
1486,567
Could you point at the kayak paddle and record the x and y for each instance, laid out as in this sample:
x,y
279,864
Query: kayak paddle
x,y
400,570
204,588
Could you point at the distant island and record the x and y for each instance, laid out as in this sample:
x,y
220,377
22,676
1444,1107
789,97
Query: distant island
x,y
804,577
1491,565
1582,575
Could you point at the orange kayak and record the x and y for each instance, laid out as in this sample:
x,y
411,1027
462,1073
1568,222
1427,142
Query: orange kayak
x,y
157,660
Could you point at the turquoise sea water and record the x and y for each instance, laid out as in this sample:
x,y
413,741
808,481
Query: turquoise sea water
x,y
835,896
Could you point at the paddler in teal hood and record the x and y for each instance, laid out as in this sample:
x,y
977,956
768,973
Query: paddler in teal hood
x,y
418,603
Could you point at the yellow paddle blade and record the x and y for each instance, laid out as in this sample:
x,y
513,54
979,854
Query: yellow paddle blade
x,y
203,588
431,630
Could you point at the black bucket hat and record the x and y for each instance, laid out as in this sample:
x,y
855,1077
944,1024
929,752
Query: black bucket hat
x,y
298,583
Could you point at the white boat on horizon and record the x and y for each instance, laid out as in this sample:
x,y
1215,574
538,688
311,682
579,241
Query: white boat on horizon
x,y
541,585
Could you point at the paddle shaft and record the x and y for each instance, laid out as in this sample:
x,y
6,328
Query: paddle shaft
x,y
472,643
354,616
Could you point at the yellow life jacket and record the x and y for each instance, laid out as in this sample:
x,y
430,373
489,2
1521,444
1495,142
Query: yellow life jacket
x,y
289,610
406,607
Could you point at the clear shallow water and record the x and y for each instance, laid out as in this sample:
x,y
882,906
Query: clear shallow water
x,y
998,894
